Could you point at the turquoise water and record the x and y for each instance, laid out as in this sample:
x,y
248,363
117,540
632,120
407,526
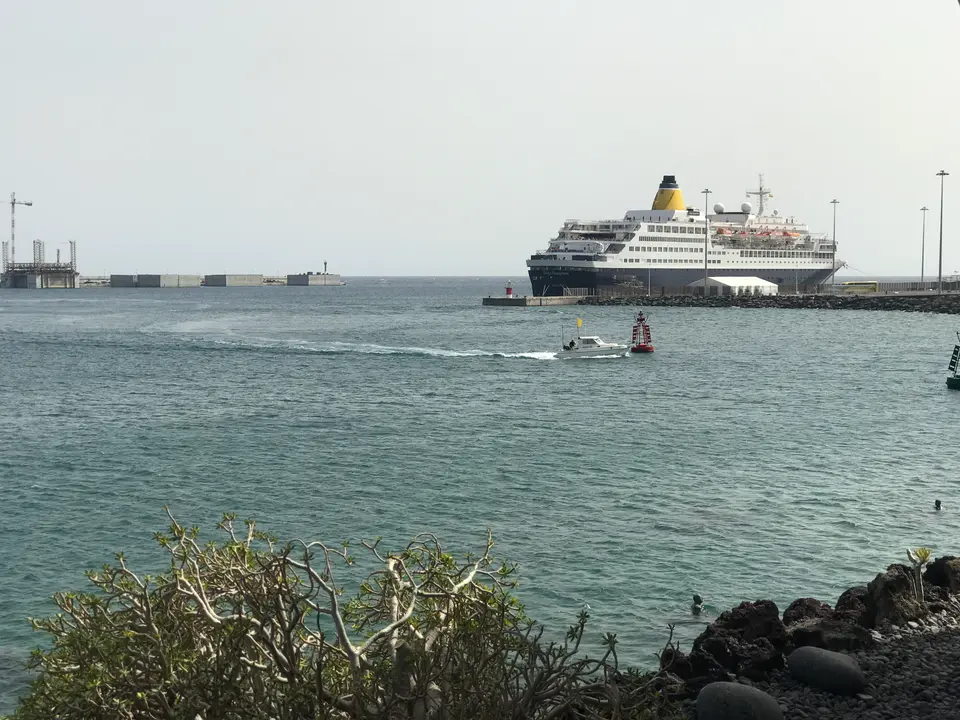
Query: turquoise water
x,y
757,453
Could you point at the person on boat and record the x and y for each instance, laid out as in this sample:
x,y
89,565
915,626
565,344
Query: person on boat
x,y
572,345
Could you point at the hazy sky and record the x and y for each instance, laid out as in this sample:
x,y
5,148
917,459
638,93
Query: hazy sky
x,y
453,138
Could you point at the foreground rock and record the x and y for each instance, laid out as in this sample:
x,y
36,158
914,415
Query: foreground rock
x,y
910,675
827,670
733,701
805,609
748,641
944,572
910,672
879,653
830,633
946,304
890,598
810,622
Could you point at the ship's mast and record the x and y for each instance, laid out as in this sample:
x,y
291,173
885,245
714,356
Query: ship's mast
x,y
762,194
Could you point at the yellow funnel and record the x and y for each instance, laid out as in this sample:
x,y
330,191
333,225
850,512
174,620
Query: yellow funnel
x,y
669,196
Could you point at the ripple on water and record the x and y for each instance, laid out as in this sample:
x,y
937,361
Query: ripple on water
x,y
741,461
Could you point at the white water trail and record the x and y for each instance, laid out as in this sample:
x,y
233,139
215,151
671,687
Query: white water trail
x,y
336,347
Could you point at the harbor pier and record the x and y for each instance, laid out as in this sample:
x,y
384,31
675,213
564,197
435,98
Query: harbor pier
x,y
315,278
154,281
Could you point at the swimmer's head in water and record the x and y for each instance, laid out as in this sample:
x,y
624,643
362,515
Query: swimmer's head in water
x,y
936,505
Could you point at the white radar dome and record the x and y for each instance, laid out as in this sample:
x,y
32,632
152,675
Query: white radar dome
x,y
718,208
746,207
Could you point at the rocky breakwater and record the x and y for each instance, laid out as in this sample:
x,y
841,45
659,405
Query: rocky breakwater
x,y
884,650
945,304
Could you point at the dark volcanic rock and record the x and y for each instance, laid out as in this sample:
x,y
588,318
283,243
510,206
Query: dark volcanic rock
x,y
831,633
911,675
851,605
948,304
753,620
805,609
890,598
944,572
813,623
676,662
908,652
826,670
733,701
748,641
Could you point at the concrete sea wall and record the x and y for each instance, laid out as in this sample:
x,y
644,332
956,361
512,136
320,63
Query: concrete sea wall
x,y
233,280
314,279
154,281
946,304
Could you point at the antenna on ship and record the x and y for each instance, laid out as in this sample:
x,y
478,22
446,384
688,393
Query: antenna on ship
x,y
762,194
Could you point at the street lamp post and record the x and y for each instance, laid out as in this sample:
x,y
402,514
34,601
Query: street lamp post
x,y
834,202
706,238
923,243
942,174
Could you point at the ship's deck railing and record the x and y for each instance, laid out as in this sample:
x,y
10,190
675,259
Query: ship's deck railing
x,y
640,290
767,243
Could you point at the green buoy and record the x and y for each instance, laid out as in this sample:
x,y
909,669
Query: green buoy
x,y
953,381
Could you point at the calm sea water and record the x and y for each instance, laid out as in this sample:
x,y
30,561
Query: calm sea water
x,y
757,453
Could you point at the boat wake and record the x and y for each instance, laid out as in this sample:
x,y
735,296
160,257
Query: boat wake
x,y
337,348
372,349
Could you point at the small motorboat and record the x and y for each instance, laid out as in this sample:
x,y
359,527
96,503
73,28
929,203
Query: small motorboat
x,y
641,342
591,346
588,346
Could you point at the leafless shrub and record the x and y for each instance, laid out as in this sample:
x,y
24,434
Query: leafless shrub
x,y
246,628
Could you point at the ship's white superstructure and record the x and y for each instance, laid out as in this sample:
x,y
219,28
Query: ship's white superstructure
x,y
666,247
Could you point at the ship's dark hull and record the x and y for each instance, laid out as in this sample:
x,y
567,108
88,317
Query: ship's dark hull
x,y
548,281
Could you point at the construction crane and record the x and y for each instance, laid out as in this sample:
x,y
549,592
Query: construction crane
x,y
13,224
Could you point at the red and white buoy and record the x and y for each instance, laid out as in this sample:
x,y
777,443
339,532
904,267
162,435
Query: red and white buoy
x,y
509,289
641,342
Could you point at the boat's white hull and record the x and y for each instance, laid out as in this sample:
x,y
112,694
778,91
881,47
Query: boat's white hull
x,y
610,351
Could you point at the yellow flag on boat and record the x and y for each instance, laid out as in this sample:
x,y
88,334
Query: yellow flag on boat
x,y
579,322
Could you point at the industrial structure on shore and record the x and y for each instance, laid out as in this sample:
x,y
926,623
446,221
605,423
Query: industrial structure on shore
x,y
38,273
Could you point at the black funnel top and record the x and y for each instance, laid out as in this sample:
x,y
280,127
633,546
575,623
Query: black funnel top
x,y
669,182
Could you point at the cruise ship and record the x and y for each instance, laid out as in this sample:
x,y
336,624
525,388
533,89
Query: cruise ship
x,y
665,247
